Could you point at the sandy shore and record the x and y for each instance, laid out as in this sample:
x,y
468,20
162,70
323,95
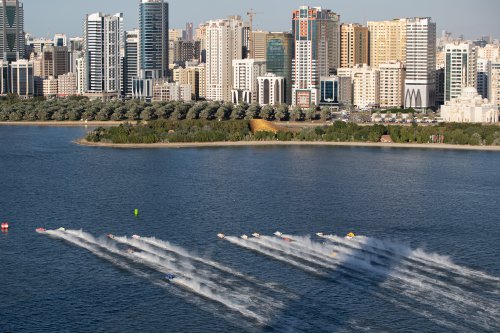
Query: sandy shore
x,y
66,123
283,143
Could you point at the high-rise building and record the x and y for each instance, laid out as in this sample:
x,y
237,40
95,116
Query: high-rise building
x,y
22,80
494,91
103,47
317,52
131,61
153,46
12,43
224,44
279,55
36,45
185,51
483,77
245,84
387,41
460,69
81,77
153,43
271,89
259,44
354,45
420,88
76,44
366,83
189,32
392,84
55,61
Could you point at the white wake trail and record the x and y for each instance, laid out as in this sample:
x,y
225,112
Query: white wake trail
x,y
191,284
164,245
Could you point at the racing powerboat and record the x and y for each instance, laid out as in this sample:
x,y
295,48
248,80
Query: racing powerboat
x,y
111,236
40,230
170,277
245,237
136,237
256,235
279,234
320,234
350,235
221,236
62,229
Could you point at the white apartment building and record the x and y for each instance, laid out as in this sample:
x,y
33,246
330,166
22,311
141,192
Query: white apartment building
x,y
166,92
224,43
366,83
103,41
392,84
50,87
420,87
67,85
460,69
271,89
469,107
81,78
245,85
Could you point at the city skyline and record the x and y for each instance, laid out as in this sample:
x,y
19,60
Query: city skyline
x,y
181,12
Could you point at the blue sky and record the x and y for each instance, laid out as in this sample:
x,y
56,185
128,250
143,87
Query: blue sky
x,y
470,18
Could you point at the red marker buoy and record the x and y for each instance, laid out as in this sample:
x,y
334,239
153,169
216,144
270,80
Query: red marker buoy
x,y
5,226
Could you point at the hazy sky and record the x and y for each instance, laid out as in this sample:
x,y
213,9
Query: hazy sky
x,y
470,18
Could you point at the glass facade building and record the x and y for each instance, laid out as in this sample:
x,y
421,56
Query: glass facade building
x,y
153,44
279,57
12,38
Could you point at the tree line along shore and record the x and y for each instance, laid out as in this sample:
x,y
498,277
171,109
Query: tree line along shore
x,y
176,122
206,131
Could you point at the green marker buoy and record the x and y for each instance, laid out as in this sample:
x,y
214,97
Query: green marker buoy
x,y
136,212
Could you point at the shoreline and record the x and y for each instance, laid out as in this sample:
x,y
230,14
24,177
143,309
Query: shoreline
x,y
86,143
64,123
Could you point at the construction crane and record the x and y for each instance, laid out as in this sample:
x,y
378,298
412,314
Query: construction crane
x,y
251,13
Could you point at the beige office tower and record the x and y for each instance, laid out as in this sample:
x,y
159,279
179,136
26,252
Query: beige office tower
x,y
259,44
354,45
224,44
392,84
387,41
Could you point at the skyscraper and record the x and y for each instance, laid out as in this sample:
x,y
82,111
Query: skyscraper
x,y
317,52
12,44
21,78
131,61
103,40
153,47
420,88
387,41
279,55
460,69
354,45
225,40
245,85
153,43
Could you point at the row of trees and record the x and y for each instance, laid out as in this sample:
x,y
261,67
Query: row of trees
x,y
202,130
80,108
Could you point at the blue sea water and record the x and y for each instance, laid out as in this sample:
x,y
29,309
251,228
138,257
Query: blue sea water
x,y
429,262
